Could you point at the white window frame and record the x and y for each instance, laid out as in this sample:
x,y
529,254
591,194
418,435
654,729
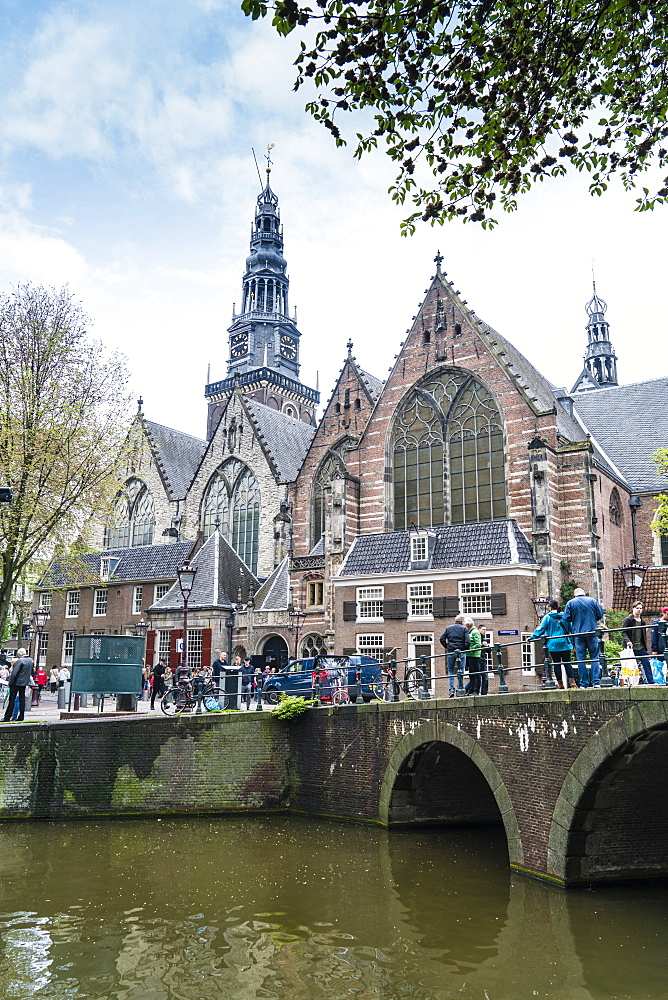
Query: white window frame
x,y
528,655
194,648
104,568
45,600
97,602
137,598
423,595
163,644
423,639
43,648
372,649
419,548
71,603
488,634
366,597
475,595
164,587
68,644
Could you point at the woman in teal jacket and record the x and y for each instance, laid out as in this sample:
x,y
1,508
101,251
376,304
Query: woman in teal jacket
x,y
558,642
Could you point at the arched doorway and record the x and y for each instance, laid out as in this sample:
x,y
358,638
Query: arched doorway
x,y
275,651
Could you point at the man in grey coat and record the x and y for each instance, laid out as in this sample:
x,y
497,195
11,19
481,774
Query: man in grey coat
x,y
18,681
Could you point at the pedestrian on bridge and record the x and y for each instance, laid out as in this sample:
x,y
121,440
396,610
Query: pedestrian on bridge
x,y
558,643
583,614
635,638
475,661
456,641
19,678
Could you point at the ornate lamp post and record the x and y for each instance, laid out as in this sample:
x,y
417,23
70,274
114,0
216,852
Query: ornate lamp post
x,y
39,617
540,604
634,503
633,575
296,617
186,577
229,625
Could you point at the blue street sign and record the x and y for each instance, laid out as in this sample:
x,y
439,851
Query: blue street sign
x,y
507,631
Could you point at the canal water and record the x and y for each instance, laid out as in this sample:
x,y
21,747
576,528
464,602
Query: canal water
x,y
264,907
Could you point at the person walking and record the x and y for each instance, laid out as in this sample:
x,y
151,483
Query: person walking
x,y
474,659
246,681
159,687
53,679
19,678
583,615
456,641
557,643
657,637
635,638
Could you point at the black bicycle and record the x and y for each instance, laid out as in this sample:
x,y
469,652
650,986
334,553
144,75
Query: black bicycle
x,y
383,683
184,697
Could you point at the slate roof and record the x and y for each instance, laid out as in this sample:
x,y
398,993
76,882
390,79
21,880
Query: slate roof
x,y
373,384
178,456
144,562
274,594
286,439
629,422
220,575
488,543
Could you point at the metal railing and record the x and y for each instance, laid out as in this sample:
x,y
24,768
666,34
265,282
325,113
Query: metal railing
x,y
417,683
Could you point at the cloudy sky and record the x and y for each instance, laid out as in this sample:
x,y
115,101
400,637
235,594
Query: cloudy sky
x,y
126,173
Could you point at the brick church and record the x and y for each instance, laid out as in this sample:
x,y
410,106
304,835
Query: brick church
x,y
465,481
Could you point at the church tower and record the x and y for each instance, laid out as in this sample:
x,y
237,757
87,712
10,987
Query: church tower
x,y
600,360
263,338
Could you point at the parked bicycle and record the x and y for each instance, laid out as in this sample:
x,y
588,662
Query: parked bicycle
x,y
383,684
185,695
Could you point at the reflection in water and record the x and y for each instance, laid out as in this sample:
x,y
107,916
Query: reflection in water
x,y
192,909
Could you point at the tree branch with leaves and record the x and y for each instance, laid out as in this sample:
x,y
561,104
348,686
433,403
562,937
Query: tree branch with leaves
x,y
477,100
63,418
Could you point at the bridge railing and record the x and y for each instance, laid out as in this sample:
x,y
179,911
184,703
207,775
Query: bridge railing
x,y
423,665
332,683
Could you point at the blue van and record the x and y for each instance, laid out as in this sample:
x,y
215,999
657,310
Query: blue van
x,y
337,676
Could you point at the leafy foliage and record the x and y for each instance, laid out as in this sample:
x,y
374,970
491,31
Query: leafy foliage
x,y
568,585
660,523
476,100
62,411
290,706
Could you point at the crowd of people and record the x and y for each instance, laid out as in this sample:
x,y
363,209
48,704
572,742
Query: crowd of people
x,y
575,629
158,679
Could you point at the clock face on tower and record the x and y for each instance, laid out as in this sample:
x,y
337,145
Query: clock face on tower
x,y
288,347
239,345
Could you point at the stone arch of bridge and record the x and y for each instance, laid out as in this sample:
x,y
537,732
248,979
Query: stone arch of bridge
x,y
458,751
610,821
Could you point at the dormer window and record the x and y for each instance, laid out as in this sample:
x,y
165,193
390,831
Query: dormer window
x,y
108,565
418,548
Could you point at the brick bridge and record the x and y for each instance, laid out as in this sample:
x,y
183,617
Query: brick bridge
x,y
576,778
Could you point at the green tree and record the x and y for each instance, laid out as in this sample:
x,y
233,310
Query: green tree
x,y
476,100
63,409
660,522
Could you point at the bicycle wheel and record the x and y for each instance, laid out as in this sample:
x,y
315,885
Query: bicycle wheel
x,y
381,686
222,700
341,697
413,683
174,702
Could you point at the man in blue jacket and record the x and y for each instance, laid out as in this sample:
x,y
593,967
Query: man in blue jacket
x,y
583,614
657,637
456,641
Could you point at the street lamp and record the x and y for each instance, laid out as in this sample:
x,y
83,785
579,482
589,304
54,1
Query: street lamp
x,y
540,604
186,577
296,618
39,617
634,503
229,625
141,628
633,574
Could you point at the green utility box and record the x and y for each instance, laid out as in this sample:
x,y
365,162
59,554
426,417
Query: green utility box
x,y
107,664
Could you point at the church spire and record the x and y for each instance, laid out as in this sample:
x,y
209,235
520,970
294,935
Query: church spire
x,y
600,359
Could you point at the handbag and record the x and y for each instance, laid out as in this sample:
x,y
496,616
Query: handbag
x,y
657,670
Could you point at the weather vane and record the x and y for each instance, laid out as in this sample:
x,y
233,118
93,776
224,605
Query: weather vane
x,y
268,157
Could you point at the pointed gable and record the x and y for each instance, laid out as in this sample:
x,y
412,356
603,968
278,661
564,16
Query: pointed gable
x,y
285,439
177,456
221,577
274,594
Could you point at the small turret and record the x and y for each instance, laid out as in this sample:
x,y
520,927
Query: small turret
x,y
600,360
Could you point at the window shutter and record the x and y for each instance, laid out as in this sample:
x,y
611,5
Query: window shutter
x,y
446,607
206,647
395,610
349,611
497,604
150,646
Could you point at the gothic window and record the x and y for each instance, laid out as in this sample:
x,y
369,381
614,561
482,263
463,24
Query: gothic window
x,y
143,519
448,454
232,498
312,645
332,467
615,508
134,517
117,534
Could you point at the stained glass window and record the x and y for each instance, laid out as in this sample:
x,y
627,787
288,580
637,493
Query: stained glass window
x,y
448,454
